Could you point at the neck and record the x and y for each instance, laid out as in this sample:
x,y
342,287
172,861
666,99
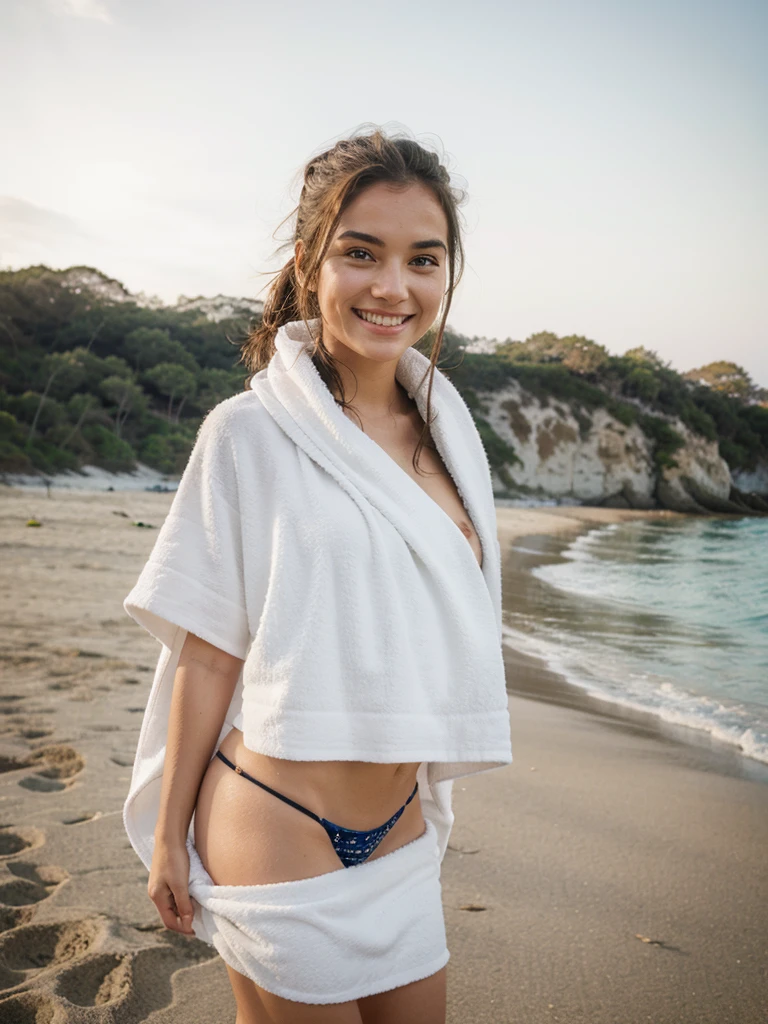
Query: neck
x,y
371,388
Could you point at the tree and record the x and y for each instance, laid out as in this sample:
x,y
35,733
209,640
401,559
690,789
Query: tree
x,y
543,347
125,393
174,381
115,366
70,372
581,355
148,347
727,378
646,357
578,354
642,383
81,406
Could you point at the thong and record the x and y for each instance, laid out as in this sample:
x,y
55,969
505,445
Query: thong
x,y
352,846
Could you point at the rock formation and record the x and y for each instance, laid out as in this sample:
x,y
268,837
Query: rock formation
x,y
595,459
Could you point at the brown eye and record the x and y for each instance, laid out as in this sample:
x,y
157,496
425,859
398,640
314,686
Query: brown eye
x,y
363,251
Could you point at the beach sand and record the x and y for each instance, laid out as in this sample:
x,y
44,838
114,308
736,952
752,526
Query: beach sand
x,y
620,864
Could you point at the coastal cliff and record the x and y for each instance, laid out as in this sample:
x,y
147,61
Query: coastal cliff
x,y
595,459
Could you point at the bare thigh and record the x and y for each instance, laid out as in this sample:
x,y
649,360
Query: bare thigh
x,y
246,836
256,1006
421,1002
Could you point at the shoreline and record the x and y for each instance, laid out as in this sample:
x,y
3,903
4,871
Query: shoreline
x,y
535,678
621,871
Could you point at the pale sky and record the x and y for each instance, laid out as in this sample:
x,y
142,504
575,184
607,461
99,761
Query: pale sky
x,y
615,153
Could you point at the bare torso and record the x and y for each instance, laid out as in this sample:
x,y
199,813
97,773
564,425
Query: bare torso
x,y
245,835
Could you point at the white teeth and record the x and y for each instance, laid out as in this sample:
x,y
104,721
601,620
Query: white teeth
x,y
382,321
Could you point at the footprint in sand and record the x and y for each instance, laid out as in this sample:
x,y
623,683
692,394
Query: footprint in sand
x,y
31,949
20,895
82,818
132,985
37,785
14,840
28,1008
123,760
58,767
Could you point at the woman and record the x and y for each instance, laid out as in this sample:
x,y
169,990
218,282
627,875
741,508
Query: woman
x,y
327,591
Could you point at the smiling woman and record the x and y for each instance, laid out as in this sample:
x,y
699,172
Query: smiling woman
x,y
396,197
327,590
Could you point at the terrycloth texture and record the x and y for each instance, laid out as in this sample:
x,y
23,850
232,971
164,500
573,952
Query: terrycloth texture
x,y
333,937
367,628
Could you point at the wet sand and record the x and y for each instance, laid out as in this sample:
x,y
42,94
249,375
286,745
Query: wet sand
x,y
621,866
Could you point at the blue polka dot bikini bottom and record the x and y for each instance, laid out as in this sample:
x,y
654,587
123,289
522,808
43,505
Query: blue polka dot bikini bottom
x,y
352,847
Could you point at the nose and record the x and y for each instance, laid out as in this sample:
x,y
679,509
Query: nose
x,y
389,283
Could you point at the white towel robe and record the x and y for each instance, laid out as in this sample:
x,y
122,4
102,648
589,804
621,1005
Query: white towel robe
x,y
367,628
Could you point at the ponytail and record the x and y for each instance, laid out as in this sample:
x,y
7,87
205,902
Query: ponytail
x,y
282,305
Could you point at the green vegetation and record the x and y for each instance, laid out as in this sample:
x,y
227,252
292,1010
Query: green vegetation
x,y
90,376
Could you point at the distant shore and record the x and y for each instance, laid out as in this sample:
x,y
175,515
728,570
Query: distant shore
x,y
92,479
621,871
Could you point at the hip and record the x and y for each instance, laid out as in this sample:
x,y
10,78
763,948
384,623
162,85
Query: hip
x,y
245,835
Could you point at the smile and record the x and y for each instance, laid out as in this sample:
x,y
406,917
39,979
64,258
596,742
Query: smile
x,y
382,321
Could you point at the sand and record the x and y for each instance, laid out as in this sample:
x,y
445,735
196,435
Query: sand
x,y
621,866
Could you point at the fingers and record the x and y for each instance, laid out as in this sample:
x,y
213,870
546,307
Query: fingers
x,y
184,910
166,907
175,910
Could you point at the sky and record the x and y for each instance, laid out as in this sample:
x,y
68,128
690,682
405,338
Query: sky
x,y
615,154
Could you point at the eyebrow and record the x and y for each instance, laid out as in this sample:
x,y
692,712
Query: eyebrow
x,y
429,243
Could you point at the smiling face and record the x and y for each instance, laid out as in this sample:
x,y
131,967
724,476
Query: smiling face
x,y
384,276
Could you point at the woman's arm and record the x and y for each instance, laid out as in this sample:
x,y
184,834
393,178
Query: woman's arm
x,y
203,685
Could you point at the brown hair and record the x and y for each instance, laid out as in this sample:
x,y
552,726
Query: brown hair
x,y
330,183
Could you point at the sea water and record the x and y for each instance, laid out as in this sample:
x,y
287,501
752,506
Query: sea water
x,y
666,616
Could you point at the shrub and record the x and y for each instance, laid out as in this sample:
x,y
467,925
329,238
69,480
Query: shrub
x,y
112,452
167,453
666,440
622,411
14,459
642,383
498,451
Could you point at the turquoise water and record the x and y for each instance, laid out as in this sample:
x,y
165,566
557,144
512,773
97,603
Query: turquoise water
x,y
666,616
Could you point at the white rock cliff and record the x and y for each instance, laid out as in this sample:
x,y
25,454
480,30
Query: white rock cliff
x,y
596,459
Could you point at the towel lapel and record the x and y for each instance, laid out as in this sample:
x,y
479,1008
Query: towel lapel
x,y
294,393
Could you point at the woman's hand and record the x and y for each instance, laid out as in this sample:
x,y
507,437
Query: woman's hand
x,y
169,886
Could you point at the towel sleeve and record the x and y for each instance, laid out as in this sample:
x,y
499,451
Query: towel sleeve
x,y
194,577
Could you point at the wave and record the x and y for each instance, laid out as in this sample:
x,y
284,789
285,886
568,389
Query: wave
x,y
666,618
737,723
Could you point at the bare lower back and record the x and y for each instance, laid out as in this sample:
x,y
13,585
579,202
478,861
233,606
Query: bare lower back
x,y
247,836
